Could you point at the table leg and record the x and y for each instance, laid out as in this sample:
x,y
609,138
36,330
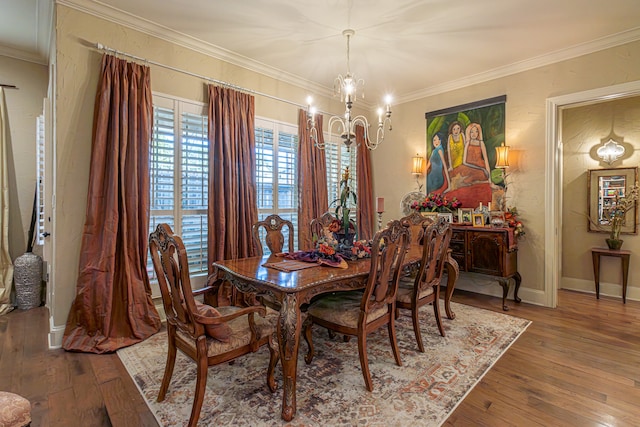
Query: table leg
x,y
518,279
289,327
625,276
505,291
453,271
596,272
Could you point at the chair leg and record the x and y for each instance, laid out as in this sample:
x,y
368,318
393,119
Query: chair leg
x,y
436,310
364,361
201,381
393,338
415,317
168,369
306,326
274,353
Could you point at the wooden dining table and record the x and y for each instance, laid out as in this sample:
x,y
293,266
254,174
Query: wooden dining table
x,y
294,289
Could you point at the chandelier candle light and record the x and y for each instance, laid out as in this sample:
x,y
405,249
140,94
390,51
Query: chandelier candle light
x,y
347,86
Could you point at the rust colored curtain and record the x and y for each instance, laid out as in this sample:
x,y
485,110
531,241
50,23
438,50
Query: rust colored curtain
x,y
232,174
113,306
312,180
366,210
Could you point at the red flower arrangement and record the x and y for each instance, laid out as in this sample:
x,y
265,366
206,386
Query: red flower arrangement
x,y
436,203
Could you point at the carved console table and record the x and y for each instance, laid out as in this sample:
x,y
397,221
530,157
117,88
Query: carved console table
x,y
490,251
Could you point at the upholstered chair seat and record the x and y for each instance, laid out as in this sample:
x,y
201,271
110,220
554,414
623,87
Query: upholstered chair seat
x,y
15,410
343,308
405,291
240,332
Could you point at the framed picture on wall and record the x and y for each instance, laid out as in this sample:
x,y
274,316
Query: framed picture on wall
x,y
607,188
461,151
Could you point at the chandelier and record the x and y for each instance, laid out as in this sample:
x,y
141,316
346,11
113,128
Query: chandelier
x,y
347,87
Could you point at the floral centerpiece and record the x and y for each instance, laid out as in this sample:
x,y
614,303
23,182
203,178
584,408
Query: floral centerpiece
x,y
436,203
333,251
511,218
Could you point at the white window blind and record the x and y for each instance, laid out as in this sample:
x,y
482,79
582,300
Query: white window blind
x,y
276,172
179,169
338,158
40,179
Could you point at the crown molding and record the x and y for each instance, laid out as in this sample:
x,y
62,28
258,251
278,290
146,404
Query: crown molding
x,y
528,64
145,26
23,55
117,16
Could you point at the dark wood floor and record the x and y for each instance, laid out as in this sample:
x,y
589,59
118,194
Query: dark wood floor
x,y
577,365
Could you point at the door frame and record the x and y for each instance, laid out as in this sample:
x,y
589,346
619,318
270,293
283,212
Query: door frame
x,y
553,174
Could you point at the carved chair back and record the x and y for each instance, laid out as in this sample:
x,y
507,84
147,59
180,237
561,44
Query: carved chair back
x,y
273,226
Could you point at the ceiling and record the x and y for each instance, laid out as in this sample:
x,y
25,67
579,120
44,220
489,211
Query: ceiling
x,y
408,48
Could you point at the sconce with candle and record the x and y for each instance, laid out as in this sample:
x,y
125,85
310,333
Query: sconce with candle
x,y
502,163
416,169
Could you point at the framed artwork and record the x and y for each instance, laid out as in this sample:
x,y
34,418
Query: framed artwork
x,y
465,215
461,151
448,216
604,185
478,220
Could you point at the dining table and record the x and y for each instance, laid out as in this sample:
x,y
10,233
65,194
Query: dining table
x,y
293,284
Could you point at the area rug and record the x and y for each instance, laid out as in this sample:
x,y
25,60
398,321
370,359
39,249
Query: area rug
x,y
331,390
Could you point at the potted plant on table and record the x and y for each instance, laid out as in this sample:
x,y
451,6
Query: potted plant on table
x,y
615,216
347,201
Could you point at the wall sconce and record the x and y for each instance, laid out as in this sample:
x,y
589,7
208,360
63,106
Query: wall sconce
x,y
416,169
610,151
502,156
417,165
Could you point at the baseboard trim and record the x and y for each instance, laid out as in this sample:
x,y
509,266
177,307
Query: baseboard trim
x,y
607,289
488,285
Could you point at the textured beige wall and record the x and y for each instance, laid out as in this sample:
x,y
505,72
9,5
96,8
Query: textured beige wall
x,y
24,106
583,130
527,93
77,77
78,68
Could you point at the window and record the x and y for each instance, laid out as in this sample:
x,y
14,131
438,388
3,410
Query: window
x,y
276,172
179,170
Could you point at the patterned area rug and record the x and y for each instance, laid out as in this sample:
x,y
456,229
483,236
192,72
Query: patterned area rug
x,y
331,391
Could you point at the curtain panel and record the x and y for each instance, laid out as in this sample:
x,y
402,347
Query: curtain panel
x,y
6,266
313,200
113,306
366,219
232,174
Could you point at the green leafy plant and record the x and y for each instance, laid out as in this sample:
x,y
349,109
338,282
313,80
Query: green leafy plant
x,y
344,202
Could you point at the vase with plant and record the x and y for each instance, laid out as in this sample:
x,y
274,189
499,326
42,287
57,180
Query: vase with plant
x,y
344,204
615,214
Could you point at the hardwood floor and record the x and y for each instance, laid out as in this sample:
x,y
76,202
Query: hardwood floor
x,y
577,365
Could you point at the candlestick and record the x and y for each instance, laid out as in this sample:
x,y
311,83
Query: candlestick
x,y
379,221
380,204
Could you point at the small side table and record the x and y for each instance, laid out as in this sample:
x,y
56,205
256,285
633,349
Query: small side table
x,y
624,256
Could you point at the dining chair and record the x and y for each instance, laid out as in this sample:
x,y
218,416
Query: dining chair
x,y
359,313
425,287
209,336
273,226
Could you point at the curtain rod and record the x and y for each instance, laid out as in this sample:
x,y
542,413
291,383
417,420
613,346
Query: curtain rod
x,y
102,47
9,86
